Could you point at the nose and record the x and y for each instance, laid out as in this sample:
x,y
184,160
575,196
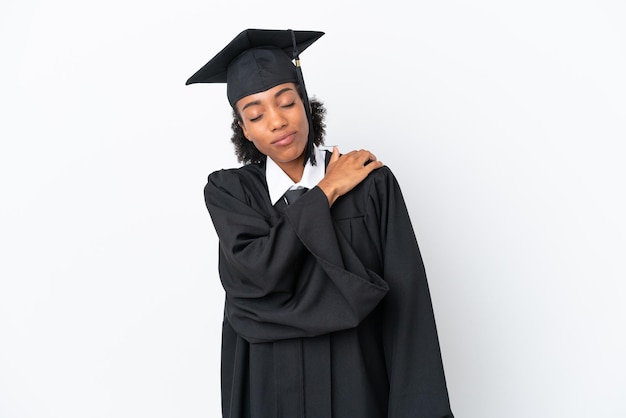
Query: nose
x,y
276,119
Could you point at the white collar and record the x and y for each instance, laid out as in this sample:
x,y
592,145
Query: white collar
x,y
278,182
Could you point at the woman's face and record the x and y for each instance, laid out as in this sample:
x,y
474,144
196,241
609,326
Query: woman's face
x,y
275,121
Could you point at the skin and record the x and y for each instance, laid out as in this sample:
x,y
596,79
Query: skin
x,y
275,121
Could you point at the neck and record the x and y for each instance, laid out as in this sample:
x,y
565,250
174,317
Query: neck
x,y
294,169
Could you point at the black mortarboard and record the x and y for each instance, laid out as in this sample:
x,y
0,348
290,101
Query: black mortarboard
x,y
257,60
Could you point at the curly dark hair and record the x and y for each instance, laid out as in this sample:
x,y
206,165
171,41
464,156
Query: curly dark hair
x,y
247,153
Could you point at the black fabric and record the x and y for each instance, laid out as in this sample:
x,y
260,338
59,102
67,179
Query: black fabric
x,y
327,311
257,70
255,60
292,195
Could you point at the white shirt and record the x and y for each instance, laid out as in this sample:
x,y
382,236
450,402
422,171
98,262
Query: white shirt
x,y
278,182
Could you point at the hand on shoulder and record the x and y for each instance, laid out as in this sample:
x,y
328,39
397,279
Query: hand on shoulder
x,y
345,171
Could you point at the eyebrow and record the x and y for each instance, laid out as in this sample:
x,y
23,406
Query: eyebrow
x,y
258,102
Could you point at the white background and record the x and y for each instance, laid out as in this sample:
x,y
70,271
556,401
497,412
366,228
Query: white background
x,y
503,121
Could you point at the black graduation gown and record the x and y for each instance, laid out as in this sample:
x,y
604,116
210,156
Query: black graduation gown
x,y
327,311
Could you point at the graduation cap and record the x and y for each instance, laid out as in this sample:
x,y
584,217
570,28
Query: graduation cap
x,y
257,60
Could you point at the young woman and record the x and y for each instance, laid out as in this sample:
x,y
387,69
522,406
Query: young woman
x,y
327,309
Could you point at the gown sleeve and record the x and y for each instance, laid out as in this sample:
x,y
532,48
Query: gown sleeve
x,y
412,353
285,273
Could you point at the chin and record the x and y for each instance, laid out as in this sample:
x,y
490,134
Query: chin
x,y
292,154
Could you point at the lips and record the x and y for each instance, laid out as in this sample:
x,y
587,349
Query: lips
x,y
284,140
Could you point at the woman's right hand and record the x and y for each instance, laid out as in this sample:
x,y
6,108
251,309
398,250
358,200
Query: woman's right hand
x,y
345,171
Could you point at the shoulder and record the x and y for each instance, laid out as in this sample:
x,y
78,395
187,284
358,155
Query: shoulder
x,y
381,179
382,187
383,172
230,177
245,184
378,188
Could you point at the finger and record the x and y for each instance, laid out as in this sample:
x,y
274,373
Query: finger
x,y
335,155
369,157
373,165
